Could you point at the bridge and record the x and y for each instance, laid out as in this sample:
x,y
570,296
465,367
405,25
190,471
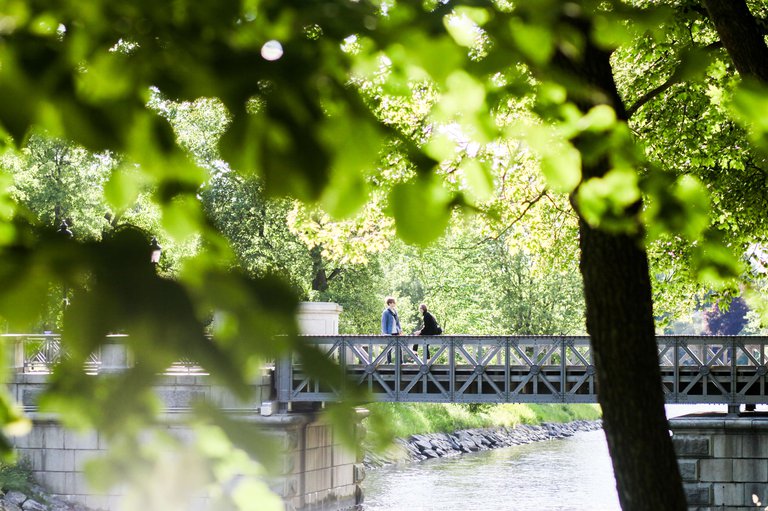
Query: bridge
x,y
523,369
479,369
460,369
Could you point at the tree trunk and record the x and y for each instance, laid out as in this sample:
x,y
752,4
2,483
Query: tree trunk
x,y
619,308
740,36
319,276
620,324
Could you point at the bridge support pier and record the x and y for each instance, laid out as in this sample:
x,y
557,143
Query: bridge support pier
x,y
320,473
723,459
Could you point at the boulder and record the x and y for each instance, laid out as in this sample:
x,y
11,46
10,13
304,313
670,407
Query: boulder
x,y
33,505
8,506
15,497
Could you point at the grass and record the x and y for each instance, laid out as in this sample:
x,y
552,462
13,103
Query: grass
x,y
16,477
389,420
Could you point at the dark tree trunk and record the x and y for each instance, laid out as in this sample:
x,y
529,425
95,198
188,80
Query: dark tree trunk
x,y
620,323
320,277
740,36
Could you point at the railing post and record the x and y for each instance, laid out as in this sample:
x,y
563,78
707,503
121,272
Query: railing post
x,y
507,370
734,360
676,376
452,368
398,362
343,362
115,355
563,358
14,353
283,377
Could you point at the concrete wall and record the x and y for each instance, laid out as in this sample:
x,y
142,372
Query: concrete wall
x,y
723,460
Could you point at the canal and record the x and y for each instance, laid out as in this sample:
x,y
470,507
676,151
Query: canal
x,y
569,474
572,474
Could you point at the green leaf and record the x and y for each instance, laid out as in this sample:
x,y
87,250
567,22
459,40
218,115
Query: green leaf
x,y
603,201
599,118
610,31
465,97
462,30
123,187
421,209
441,147
694,198
750,105
347,190
478,179
536,42
182,217
478,15
243,435
561,166
716,265
437,56
105,79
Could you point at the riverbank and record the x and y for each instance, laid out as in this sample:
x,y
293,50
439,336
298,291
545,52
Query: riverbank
x,y
36,500
434,431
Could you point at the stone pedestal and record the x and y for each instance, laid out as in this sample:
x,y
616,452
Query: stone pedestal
x,y
115,356
723,459
319,318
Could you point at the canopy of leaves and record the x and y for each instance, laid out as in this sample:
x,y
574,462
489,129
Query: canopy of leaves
x,y
184,119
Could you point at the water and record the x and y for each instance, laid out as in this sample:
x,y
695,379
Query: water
x,y
569,475
572,474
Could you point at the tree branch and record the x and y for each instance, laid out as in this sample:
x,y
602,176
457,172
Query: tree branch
x,y
530,204
674,78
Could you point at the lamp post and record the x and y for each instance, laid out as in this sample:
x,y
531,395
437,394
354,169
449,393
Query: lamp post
x,y
66,234
156,250
64,230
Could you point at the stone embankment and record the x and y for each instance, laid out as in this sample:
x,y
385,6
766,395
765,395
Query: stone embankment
x,y
440,445
18,501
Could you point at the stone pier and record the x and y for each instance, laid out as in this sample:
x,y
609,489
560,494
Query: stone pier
x,y
723,459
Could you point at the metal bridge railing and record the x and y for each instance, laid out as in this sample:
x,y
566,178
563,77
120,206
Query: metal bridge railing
x,y
459,369
40,353
545,369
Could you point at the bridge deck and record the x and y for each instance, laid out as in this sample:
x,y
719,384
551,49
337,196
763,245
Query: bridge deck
x,y
524,369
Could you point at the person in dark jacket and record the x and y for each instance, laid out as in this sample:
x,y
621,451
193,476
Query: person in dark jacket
x,y
429,327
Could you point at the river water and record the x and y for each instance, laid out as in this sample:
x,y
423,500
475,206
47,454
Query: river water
x,y
572,474
569,474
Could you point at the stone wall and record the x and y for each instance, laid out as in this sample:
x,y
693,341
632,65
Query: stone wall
x,y
723,460
318,472
326,474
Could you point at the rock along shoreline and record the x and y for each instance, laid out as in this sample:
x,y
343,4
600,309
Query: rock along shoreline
x,y
440,445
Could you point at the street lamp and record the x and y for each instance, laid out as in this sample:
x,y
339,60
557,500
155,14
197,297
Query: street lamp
x,y
64,230
156,251
65,233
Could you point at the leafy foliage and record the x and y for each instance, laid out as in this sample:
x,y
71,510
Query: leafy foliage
x,y
427,109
